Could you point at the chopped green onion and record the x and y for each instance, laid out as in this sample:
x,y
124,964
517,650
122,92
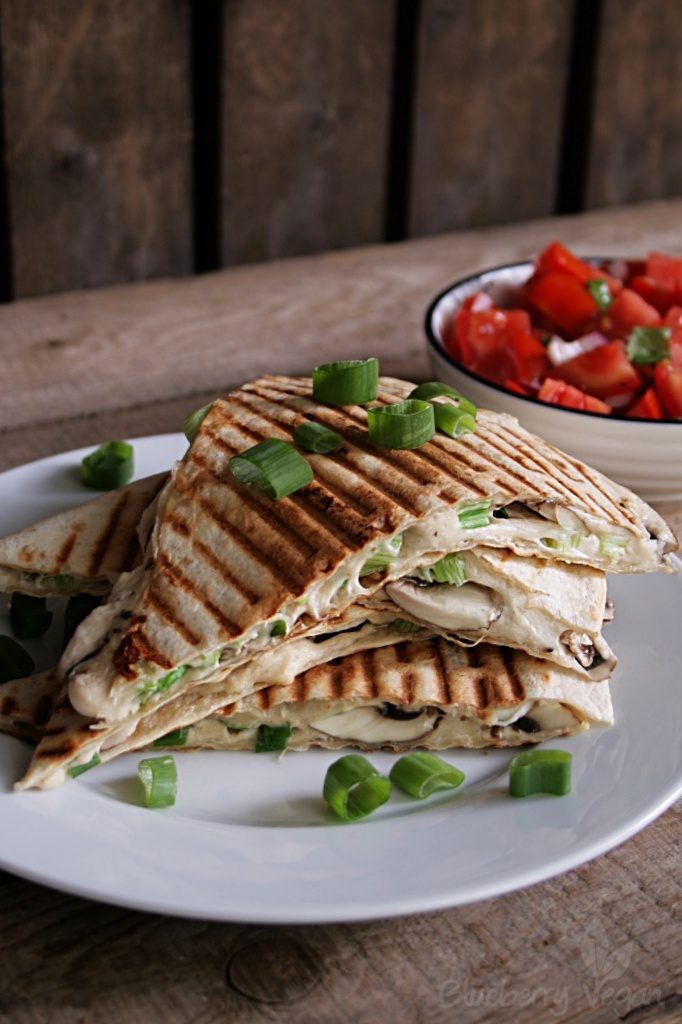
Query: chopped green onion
x,y
177,738
28,616
403,626
279,628
562,543
353,788
384,553
15,662
273,465
611,545
64,584
648,344
452,421
159,778
208,660
349,382
109,466
405,425
436,389
420,774
500,513
316,438
473,516
271,738
194,421
77,609
449,569
540,771
600,292
154,686
78,769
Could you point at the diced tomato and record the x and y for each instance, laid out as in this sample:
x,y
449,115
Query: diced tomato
x,y
478,302
557,258
483,340
666,271
668,384
512,385
647,406
557,392
657,295
564,301
673,320
603,372
629,310
530,358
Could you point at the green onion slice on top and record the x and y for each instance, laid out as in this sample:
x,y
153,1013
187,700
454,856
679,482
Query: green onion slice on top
x,y
15,662
78,769
353,788
540,771
159,778
28,616
194,421
274,466
451,421
316,438
348,382
436,389
110,466
272,738
405,425
648,344
420,774
600,292
177,738
475,515
449,569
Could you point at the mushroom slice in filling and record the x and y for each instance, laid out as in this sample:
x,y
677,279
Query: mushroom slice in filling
x,y
370,724
468,607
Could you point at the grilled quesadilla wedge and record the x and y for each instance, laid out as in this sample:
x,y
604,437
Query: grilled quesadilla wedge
x,y
228,570
81,550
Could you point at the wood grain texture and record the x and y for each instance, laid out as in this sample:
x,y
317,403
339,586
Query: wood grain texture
x,y
636,145
306,93
98,134
488,111
599,945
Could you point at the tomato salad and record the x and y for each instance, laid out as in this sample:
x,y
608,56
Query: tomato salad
x,y
603,338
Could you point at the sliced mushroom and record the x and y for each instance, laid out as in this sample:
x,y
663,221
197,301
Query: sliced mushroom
x,y
369,725
455,608
554,715
599,663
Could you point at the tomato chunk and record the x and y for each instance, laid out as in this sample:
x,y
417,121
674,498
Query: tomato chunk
x,y
557,392
666,271
564,301
647,407
630,310
556,257
657,295
604,371
668,384
673,320
483,340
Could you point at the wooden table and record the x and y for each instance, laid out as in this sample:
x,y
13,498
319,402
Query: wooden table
x,y
601,943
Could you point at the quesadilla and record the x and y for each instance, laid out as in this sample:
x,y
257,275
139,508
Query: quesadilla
x,y
425,693
81,550
230,574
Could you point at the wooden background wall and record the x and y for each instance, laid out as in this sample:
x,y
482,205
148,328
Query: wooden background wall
x,y
146,138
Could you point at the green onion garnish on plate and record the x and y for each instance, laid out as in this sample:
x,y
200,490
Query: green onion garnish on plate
x,y
420,774
15,662
475,515
194,421
316,438
540,771
274,466
648,344
110,466
159,778
353,788
451,421
404,425
348,382
28,616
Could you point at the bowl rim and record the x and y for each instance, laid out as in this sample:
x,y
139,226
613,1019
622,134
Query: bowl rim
x,y
440,349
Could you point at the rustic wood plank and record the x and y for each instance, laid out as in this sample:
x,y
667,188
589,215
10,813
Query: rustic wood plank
x,y
600,944
66,357
488,112
636,145
306,95
98,141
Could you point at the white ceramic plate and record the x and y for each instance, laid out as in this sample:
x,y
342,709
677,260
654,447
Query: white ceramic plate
x,y
249,838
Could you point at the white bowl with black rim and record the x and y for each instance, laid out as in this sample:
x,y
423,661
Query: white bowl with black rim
x,y
644,455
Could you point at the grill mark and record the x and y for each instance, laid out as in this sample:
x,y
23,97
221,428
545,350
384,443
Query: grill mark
x,y
265,697
178,579
509,660
43,710
369,671
441,669
332,513
107,533
297,689
219,567
336,680
8,706
480,686
134,646
407,689
67,547
169,616
64,750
